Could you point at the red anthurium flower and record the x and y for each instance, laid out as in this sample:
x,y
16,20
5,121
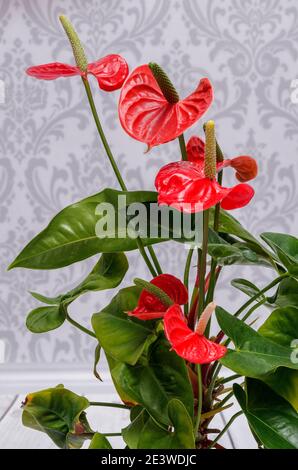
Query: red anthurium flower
x,y
150,307
147,116
182,185
191,345
246,167
110,71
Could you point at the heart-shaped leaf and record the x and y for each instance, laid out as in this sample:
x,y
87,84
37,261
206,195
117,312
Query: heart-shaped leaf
x,y
156,379
59,413
286,248
272,419
282,328
238,253
123,337
178,436
254,356
71,236
99,441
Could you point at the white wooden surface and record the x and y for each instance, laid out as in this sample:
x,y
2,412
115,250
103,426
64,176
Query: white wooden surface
x,y
14,387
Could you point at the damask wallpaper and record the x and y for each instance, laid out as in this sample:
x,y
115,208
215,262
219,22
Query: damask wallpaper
x,y
51,155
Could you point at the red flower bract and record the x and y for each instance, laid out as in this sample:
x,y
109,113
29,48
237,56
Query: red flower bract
x,y
147,116
182,185
150,307
246,167
188,344
110,71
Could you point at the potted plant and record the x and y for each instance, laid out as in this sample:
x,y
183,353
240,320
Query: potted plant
x,y
164,363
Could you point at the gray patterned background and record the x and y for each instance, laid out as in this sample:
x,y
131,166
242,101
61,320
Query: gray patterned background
x,y
51,155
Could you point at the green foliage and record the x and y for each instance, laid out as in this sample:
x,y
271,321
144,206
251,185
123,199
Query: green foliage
x,y
59,413
272,419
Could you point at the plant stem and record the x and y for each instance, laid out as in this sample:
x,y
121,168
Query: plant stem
x,y
225,400
212,384
115,167
111,434
203,263
80,327
182,147
111,405
155,260
200,399
145,256
225,428
186,275
255,297
102,135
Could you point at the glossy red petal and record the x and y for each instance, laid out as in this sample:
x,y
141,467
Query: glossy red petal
x,y
52,71
246,168
188,344
110,71
150,307
147,116
238,196
195,150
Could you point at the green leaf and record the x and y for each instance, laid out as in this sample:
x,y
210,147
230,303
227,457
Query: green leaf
x,y
131,434
254,356
96,361
229,225
238,253
286,248
287,293
59,413
282,328
71,235
43,319
155,380
99,441
246,287
123,337
272,419
46,300
108,273
179,436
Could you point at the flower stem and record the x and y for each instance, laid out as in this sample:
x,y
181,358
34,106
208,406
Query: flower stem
x,y
155,260
182,147
255,297
79,326
110,405
228,379
117,172
225,429
145,256
203,262
186,275
200,399
102,135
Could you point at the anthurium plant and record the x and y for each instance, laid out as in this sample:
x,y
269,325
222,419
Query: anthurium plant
x,y
173,372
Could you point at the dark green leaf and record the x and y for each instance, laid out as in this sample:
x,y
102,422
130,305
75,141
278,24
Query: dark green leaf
x,y
273,420
46,300
131,434
123,337
286,248
245,286
71,235
179,436
99,441
43,319
59,413
287,293
155,380
282,328
239,253
254,356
